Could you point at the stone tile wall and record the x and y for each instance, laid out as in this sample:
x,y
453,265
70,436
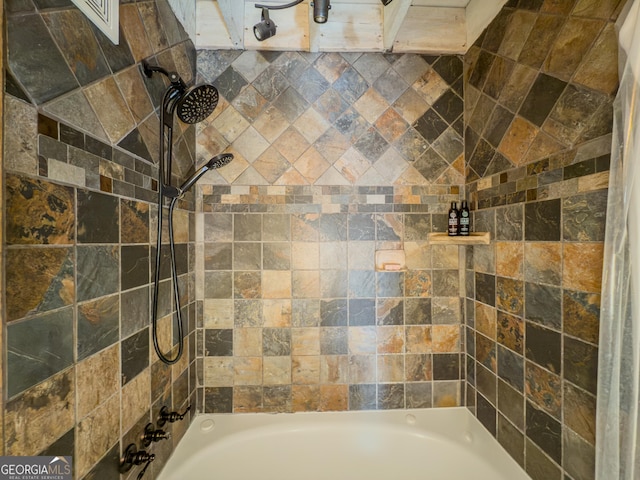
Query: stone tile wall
x,y
296,317
538,99
336,156
82,378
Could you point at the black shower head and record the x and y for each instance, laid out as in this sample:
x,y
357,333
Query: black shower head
x,y
216,162
197,103
192,105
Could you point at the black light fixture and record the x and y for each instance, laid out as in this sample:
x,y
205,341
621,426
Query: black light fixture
x,y
386,2
266,28
321,10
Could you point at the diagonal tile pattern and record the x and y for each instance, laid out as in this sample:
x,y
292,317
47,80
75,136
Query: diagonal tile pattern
x,y
371,117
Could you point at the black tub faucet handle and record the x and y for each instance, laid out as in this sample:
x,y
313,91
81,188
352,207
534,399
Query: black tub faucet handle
x,y
170,417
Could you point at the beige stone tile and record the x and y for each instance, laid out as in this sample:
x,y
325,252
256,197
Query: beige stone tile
x,y
446,394
560,7
276,284
331,66
305,341
371,105
363,257
277,313
509,259
291,144
311,125
517,87
96,433
580,412
230,124
543,262
582,266
271,123
218,371
486,320
517,140
430,86
291,177
410,106
247,370
570,47
218,313
520,24
250,144
305,370
362,340
247,399
390,368
305,256
247,342
391,125
418,339
28,424
98,379
334,369
250,103
271,165
134,32
306,284
135,399
391,165
311,165
445,256
352,165
133,89
595,8
542,147
446,310
599,69
418,368
305,398
334,398
20,138
209,142
276,370
390,339
333,255
446,338
596,181
362,369
112,109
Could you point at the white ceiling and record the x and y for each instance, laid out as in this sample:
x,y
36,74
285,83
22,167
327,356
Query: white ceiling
x,y
423,26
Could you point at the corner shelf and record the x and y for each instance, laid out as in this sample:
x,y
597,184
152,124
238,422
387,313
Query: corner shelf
x,y
475,238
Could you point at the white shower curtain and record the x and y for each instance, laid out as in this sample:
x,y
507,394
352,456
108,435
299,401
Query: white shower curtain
x,y
617,452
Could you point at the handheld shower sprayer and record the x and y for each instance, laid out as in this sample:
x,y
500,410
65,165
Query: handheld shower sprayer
x,y
191,105
216,162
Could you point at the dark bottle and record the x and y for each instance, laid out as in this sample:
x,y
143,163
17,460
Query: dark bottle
x,y
454,220
465,219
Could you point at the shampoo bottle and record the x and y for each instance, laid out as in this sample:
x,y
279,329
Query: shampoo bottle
x,y
465,224
454,220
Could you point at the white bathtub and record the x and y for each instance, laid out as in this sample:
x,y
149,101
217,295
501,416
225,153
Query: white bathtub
x,y
433,444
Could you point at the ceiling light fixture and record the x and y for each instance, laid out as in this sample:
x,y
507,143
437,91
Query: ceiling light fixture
x,y
386,2
266,28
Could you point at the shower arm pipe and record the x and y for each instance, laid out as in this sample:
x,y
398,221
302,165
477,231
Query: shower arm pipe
x,y
173,77
279,7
